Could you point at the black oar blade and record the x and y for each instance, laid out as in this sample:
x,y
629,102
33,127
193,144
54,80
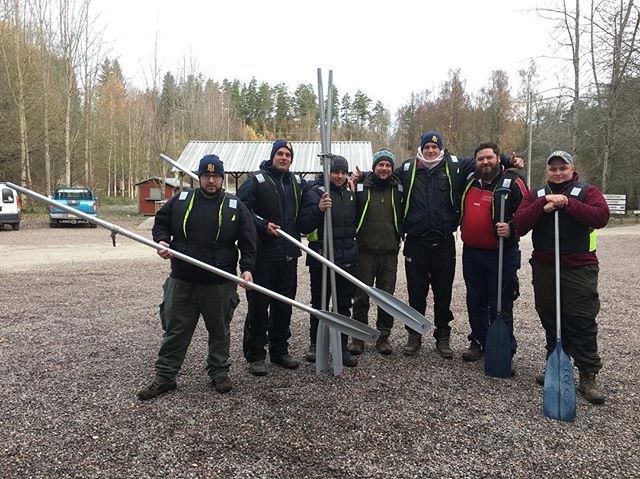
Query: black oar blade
x,y
348,326
559,387
400,311
497,350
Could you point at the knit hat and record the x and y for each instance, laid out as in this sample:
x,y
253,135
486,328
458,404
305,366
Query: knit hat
x,y
339,163
383,154
563,155
280,144
211,164
431,137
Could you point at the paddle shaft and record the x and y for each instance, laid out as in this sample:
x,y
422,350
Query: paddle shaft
x,y
556,241
500,258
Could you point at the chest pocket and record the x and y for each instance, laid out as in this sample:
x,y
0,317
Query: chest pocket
x,y
443,182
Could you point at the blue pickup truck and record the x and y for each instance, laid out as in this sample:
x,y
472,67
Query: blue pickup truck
x,y
77,197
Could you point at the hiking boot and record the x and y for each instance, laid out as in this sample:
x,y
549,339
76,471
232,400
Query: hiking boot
x,y
222,384
383,346
286,362
310,355
414,341
540,379
356,347
590,389
473,353
155,389
348,359
443,348
258,368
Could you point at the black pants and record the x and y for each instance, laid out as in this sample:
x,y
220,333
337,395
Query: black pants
x,y
480,269
379,270
428,265
344,288
268,320
579,306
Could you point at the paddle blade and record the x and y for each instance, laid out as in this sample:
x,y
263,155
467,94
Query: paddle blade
x,y
400,311
559,387
497,350
347,326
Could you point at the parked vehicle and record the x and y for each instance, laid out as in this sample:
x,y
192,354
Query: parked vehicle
x,y
9,208
78,197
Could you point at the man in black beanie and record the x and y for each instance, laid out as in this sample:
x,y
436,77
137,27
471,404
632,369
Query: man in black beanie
x,y
340,204
378,233
273,195
184,224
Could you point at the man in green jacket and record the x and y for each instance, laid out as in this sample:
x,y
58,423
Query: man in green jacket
x,y
378,233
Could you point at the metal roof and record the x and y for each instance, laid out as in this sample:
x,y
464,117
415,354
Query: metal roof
x,y
169,181
246,156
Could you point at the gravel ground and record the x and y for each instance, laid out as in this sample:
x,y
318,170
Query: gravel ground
x,y
79,336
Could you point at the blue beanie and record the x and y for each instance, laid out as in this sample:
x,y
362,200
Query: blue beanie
x,y
210,164
383,154
280,144
431,137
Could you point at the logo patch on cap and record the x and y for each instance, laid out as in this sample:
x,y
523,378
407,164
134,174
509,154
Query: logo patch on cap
x,y
210,168
434,138
289,145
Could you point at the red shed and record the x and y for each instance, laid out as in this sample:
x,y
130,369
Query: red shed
x,y
150,197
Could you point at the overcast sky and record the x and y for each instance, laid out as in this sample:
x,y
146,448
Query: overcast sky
x,y
386,50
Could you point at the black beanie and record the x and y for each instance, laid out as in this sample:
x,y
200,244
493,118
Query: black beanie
x,y
280,144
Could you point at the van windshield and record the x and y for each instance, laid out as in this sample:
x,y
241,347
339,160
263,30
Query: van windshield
x,y
74,195
7,195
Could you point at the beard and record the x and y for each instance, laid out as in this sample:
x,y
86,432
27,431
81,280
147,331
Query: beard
x,y
489,173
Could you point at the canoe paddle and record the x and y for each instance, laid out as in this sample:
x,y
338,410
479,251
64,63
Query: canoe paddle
x,y
559,401
497,349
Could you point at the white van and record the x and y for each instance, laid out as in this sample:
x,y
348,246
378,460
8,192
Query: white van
x,y
9,207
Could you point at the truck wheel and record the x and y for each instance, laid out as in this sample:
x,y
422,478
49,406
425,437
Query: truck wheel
x,y
53,224
93,225
15,226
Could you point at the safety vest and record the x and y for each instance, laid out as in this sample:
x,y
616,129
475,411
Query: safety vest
x,y
575,237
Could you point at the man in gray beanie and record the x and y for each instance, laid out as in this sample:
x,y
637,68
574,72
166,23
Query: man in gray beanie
x,y
378,233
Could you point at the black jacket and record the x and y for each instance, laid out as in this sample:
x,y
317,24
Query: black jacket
x,y
343,217
206,229
273,196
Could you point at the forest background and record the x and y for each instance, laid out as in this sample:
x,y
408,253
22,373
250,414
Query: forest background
x,y
68,114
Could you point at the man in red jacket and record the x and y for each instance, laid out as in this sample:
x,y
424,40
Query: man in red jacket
x,y
582,209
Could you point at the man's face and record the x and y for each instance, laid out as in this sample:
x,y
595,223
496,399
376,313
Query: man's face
x,y
383,169
282,159
430,151
338,177
487,164
210,182
558,171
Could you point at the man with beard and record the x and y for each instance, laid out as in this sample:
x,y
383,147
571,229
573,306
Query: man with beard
x,y
273,194
481,227
582,208
185,225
